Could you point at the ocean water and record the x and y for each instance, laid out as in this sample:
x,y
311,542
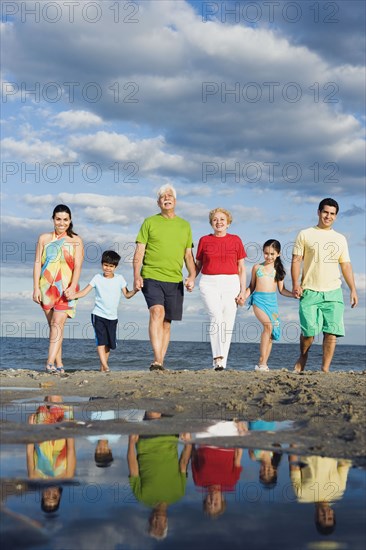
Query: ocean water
x,y
79,354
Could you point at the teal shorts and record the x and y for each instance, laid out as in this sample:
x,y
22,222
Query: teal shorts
x,y
322,312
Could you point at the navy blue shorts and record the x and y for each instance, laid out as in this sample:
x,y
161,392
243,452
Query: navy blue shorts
x,y
105,331
169,295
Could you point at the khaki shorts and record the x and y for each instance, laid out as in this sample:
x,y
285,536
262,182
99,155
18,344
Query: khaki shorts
x,y
321,312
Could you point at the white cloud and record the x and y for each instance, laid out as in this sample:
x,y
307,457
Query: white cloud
x,y
36,151
76,119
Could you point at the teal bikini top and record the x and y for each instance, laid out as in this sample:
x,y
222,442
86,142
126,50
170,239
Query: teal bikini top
x,y
262,273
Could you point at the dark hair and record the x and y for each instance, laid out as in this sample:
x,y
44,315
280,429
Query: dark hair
x,y
278,265
328,202
271,482
63,208
110,257
325,529
103,460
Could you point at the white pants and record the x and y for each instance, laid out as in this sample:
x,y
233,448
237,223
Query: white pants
x,y
218,294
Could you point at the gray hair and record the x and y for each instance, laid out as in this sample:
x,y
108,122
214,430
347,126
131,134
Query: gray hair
x,y
164,188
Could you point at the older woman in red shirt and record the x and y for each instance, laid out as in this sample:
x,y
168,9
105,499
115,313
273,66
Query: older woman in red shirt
x,y
220,258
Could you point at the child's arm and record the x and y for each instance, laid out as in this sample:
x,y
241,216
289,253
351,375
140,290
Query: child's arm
x,y
251,288
128,293
282,290
74,295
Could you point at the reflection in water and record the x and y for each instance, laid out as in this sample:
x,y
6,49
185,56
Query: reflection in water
x,y
217,469
52,458
157,475
269,460
322,481
267,499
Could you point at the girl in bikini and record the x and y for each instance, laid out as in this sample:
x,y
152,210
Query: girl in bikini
x,y
57,266
266,279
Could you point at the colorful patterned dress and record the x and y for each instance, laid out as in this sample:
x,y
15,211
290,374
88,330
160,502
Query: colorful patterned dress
x,y
58,260
50,457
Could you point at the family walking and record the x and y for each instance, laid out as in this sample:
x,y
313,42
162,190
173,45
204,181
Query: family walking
x,y
163,245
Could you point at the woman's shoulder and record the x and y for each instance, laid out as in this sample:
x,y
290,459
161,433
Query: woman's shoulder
x,y
75,239
234,237
45,238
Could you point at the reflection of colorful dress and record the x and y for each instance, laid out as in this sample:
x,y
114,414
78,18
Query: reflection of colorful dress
x,y
58,261
50,457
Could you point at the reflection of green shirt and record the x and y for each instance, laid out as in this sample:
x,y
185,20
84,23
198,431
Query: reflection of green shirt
x,y
166,241
160,479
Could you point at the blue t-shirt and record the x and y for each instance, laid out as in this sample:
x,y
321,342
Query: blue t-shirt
x,y
107,295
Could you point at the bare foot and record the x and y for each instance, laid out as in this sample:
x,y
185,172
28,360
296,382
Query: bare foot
x,y
299,366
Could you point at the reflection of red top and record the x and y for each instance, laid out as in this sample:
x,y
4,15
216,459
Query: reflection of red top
x,y
215,466
220,255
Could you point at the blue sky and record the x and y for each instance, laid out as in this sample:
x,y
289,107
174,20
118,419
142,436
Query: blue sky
x,y
257,107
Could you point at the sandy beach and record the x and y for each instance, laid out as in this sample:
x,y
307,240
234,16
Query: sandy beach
x,y
328,410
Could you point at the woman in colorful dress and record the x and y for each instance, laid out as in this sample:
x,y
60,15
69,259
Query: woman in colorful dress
x,y
53,459
57,266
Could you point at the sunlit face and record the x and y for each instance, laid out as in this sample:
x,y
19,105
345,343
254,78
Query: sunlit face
x,y
51,496
61,222
269,254
213,502
167,201
219,223
327,217
325,516
108,270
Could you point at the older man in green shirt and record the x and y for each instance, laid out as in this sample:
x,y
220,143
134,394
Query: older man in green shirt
x,y
163,244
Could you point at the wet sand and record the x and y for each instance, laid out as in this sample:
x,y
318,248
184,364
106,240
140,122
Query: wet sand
x,y
328,409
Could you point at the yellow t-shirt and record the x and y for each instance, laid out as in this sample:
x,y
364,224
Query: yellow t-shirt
x,y
321,479
322,250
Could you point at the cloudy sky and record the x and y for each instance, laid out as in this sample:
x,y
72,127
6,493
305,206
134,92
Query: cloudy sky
x,y
254,106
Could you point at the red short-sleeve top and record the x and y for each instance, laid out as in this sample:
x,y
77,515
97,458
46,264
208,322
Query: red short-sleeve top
x,y
220,255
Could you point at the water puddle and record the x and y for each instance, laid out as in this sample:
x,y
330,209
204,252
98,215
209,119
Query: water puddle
x,y
126,492
120,491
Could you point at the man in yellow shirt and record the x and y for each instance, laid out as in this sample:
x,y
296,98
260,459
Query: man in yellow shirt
x,y
321,250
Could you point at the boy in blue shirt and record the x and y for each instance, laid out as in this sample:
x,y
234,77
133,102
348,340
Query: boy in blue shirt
x,y
108,287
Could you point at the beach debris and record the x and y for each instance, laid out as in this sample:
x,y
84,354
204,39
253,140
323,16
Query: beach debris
x,y
83,382
46,384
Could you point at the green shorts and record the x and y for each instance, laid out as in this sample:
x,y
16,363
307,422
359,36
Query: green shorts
x,y
322,312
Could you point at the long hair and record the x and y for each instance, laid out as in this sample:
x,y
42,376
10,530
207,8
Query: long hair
x,y
278,265
63,208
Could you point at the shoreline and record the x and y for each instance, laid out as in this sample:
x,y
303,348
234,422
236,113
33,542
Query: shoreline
x,y
328,410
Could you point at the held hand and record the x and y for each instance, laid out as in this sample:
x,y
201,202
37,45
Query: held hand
x,y
354,299
240,299
189,284
297,291
70,293
138,283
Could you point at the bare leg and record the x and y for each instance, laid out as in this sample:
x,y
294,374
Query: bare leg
x,y
57,325
305,345
156,333
329,345
265,346
103,353
166,338
58,360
